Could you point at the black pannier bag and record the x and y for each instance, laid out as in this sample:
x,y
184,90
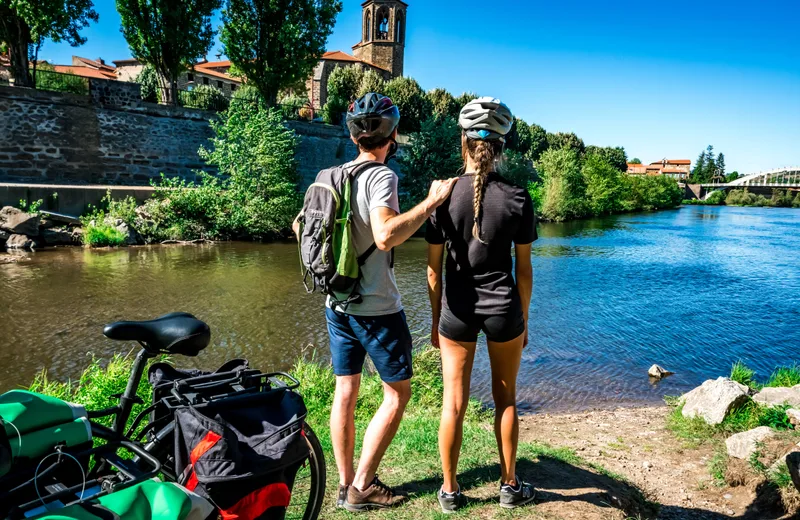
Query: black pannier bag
x,y
243,452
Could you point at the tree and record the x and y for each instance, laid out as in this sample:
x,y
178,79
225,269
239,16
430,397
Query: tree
x,y
519,138
465,98
276,43
148,79
344,83
538,142
570,141
615,156
26,24
170,35
721,164
516,168
635,160
443,103
433,153
414,105
732,176
371,82
564,186
699,168
603,184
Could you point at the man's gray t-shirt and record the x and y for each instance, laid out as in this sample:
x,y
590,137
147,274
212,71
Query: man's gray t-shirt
x,y
373,188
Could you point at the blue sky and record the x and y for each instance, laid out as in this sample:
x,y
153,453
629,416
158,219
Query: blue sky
x,y
660,79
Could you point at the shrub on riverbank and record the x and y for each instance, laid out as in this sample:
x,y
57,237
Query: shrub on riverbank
x,y
779,199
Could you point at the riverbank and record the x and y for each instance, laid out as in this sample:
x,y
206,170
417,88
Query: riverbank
x,y
595,465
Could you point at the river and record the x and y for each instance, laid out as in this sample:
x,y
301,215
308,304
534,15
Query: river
x,y
693,289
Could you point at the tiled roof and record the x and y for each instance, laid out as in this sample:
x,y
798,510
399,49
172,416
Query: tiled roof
x,y
85,72
343,56
213,64
129,61
215,74
673,161
95,64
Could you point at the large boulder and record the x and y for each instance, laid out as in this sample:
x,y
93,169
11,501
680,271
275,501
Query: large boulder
x,y
744,444
3,237
18,222
132,236
779,396
57,237
714,400
20,242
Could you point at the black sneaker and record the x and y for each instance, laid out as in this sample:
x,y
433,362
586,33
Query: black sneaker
x,y
511,497
342,496
451,502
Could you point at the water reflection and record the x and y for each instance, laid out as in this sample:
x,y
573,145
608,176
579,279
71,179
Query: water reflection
x,y
693,290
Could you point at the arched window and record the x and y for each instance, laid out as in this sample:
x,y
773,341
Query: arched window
x,y
399,29
368,28
382,24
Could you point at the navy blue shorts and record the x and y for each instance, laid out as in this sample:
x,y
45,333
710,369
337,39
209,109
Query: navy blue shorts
x,y
386,339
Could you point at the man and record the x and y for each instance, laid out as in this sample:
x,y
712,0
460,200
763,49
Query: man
x,y
376,325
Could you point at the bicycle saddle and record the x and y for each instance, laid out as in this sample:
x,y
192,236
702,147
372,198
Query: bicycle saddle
x,y
175,333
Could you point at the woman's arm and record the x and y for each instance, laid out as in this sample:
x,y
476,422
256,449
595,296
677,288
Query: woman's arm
x,y
435,261
524,275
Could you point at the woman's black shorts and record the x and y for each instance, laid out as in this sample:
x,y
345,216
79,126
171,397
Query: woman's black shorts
x,y
465,329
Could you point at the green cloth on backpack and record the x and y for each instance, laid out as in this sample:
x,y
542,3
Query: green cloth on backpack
x,y
344,250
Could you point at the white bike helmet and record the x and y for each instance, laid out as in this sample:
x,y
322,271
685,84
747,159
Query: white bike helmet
x,y
486,119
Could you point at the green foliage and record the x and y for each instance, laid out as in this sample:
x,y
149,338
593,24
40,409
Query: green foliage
x,y
148,79
570,141
102,234
33,207
784,376
48,79
603,185
99,229
636,160
796,203
538,141
276,44
718,466
519,138
615,156
779,199
732,176
516,168
536,191
25,25
170,35
564,189
371,82
742,374
433,153
708,166
411,100
443,103
650,193
204,97
344,83
465,98
717,198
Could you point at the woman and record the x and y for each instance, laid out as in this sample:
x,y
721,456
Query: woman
x,y
477,225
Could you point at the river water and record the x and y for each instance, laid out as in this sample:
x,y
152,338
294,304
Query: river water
x,y
693,289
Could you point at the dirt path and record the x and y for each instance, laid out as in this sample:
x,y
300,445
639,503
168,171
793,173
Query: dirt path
x,y
634,443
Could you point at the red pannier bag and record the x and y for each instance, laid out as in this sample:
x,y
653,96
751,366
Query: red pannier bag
x,y
243,453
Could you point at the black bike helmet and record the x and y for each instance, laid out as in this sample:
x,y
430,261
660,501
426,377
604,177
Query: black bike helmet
x,y
373,115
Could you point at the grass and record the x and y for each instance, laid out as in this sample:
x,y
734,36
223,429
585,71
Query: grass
x,y
103,235
784,377
413,458
742,374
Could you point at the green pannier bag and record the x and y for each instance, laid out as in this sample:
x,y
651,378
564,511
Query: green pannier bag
x,y
151,500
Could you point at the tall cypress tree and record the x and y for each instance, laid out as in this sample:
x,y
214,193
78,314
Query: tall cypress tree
x,y
721,164
711,165
699,168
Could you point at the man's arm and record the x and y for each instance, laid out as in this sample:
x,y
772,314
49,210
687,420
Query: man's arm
x,y
391,229
524,275
435,261
296,225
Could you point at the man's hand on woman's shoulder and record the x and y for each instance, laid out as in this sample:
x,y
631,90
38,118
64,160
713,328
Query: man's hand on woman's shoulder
x,y
440,191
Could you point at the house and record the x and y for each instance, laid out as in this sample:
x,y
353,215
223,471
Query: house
x,y
679,169
211,73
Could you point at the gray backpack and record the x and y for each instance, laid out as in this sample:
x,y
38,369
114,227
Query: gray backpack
x,y
328,254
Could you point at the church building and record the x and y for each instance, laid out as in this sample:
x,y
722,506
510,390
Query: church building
x,y
382,48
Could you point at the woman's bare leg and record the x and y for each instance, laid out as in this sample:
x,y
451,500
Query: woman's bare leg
x,y
457,359
505,360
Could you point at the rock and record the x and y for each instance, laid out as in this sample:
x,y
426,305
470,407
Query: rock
x,y
57,237
18,222
714,400
657,372
794,416
46,224
744,444
782,460
132,237
779,396
19,242
646,465
3,237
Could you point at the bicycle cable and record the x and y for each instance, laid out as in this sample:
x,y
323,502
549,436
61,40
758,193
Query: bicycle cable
x,y
58,452
19,435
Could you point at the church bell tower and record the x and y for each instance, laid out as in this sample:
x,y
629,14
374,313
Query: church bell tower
x,y
383,35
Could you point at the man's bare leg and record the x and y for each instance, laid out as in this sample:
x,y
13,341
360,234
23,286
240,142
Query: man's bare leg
x,y
343,426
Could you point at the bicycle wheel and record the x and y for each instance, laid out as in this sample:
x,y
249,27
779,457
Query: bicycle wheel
x,y
309,485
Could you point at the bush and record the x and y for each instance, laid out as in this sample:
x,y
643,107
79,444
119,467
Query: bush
x,y
371,81
148,79
102,234
334,110
517,169
716,199
536,191
433,153
615,156
99,229
204,97
648,193
344,83
603,185
570,141
414,105
564,191
48,79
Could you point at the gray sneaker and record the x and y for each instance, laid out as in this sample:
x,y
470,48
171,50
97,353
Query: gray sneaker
x,y
512,497
451,502
342,498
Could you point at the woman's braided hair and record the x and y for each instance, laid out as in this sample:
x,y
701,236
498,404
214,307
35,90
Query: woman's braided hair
x,y
484,155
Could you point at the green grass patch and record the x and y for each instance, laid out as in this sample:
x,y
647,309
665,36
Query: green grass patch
x,y
103,235
742,374
784,377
